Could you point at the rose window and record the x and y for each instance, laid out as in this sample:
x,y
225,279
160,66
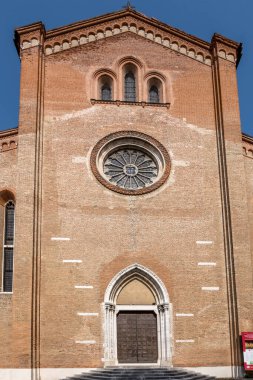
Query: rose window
x,y
130,163
130,169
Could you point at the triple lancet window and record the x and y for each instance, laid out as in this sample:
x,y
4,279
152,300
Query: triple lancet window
x,y
8,246
130,83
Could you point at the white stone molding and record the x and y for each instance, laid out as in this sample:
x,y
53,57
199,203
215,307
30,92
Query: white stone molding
x,y
162,309
83,287
204,242
211,288
207,264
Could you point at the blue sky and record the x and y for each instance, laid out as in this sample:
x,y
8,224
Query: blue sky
x,y
202,18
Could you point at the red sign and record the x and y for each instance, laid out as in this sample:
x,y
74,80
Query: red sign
x,y
247,346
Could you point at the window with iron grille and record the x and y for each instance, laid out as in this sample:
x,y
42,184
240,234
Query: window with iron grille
x,y
8,246
154,94
130,88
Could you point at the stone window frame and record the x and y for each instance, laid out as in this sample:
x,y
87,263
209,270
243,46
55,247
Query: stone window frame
x,y
161,82
6,196
100,77
124,138
134,65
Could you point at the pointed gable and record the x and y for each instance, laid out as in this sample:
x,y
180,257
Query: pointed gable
x,y
131,21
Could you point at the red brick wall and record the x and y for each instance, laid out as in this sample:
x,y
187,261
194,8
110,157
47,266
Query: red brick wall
x,y
108,231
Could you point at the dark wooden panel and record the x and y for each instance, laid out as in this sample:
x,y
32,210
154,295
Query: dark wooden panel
x,y
137,337
147,351
127,338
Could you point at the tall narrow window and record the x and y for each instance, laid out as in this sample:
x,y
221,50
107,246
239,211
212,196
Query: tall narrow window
x,y
154,95
130,88
106,92
105,88
8,246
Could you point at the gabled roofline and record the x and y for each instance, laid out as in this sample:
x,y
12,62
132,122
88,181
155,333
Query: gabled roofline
x,y
247,138
8,132
43,36
129,11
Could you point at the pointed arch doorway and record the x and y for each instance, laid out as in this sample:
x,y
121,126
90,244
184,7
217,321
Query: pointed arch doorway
x,y
137,319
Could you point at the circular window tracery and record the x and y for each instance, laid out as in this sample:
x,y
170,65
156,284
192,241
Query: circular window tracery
x,y
130,169
130,163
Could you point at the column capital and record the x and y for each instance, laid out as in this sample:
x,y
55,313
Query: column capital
x,y
163,307
109,306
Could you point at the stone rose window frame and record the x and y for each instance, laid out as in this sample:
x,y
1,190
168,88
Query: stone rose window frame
x,y
130,140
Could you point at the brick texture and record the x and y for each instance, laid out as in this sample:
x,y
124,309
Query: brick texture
x,y
109,231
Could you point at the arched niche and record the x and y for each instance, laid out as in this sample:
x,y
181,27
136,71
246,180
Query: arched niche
x,y
152,297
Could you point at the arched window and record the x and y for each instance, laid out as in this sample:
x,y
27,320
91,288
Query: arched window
x,y
106,92
8,246
130,87
154,94
155,90
105,87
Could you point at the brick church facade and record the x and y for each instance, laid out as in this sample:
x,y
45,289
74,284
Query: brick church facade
x,y
126,202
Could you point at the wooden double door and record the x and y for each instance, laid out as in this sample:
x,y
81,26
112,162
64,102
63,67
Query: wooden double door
x,y
137,337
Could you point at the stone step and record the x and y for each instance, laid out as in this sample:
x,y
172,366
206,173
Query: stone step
x,y
147,376
126,373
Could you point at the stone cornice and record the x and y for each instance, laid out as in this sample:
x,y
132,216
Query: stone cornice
x,y
8,133
127,103
247,138
29,33
226,41
30,28
227,48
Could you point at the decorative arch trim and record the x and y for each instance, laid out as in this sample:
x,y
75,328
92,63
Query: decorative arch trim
x,y
145,275
156,74
162,309
130,59
100,72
